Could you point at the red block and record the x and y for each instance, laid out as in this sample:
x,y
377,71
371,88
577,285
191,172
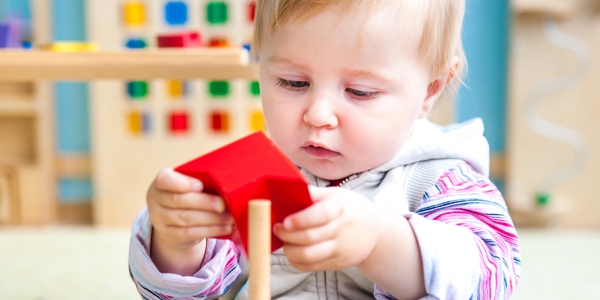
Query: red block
x,y
218,42
219,121
179,40
251,168
178,122
251,11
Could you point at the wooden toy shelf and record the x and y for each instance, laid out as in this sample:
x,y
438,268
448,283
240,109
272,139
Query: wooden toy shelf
x,y
146,64
27,115
560,9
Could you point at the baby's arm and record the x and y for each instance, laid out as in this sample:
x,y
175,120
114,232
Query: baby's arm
x,y
469,246
171,253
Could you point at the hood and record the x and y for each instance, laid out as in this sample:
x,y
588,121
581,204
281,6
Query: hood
x,y
464,141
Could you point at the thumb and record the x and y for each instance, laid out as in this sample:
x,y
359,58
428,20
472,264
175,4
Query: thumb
x,y
319,193
170,180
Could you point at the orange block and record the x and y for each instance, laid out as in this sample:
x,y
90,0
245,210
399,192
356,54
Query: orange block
x,y
257,121
134,121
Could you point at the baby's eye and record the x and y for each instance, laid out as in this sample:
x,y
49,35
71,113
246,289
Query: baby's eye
x,y
293,84
361,95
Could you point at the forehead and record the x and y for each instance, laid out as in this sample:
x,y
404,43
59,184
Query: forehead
x,y
362,27
377,44
365,17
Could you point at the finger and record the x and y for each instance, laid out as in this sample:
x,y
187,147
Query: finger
x,y
309,236
171,181
316,215
191,218
309,257
193,201
320,193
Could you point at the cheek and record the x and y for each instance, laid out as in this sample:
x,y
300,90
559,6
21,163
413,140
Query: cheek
x,y
279,119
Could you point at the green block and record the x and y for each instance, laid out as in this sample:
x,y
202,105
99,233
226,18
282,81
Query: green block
x,y
218,89
542,199
254,88
137,90
216,12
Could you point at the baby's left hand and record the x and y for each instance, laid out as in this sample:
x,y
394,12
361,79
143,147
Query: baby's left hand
x,y
339,230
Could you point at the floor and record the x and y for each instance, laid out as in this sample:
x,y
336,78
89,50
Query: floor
x,y
89,263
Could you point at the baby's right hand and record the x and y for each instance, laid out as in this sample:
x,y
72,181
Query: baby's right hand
x,y
181,215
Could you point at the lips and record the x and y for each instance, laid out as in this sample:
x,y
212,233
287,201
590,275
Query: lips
x,y
319,152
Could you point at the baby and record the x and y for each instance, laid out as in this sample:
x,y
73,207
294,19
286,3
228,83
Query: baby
x,y
402,207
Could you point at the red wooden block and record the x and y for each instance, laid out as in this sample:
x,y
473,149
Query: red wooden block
x,y
179,40
251,11
218,42
178,121
219,121
251,168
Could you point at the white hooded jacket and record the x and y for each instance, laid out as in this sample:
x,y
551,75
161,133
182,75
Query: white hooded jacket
x,y
399,185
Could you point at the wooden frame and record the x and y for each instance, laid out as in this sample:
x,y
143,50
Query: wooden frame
x,y
172,64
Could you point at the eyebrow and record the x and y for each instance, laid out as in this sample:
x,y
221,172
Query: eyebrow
x,y
350,73
274,60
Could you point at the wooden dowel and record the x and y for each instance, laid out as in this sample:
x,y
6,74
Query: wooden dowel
x,y
259,242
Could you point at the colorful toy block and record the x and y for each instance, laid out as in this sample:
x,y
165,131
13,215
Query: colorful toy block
x,y
138,122
219,121
218,88
254,88
137,90
71,47
190,39
251,168
134,119
176,13
218,42
134,14
257,121
175,88
217,12
178,122
136,44
9,37
251,11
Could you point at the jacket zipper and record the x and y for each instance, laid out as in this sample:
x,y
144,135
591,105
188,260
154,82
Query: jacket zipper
x,y
351,177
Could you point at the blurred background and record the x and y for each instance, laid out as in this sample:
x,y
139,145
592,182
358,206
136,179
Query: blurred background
x,y
76,157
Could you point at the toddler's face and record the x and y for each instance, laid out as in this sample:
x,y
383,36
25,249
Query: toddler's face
x,y
340,96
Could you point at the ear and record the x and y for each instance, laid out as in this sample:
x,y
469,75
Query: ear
x,y
437,86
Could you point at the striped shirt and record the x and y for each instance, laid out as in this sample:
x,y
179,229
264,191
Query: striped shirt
x,y
462,205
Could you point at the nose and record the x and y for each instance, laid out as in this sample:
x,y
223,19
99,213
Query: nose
x,y
321,113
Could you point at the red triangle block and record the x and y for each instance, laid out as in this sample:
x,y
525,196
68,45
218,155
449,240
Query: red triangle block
x,y
247,169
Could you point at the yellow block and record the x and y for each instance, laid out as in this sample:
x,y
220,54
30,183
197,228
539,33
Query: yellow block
x,y
175,88
70,47
134,120
134,14
257,121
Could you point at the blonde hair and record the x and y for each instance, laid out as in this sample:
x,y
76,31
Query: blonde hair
x,y
440,44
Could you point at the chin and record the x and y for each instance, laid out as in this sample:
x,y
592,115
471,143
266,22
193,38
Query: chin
x,y
327,173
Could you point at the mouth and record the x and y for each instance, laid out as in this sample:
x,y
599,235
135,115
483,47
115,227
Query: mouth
x,y
319,151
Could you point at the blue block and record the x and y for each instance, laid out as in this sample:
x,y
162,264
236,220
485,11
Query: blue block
x,y
146,122
176,13
69,20
72,117
9,37
136,44
75,190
